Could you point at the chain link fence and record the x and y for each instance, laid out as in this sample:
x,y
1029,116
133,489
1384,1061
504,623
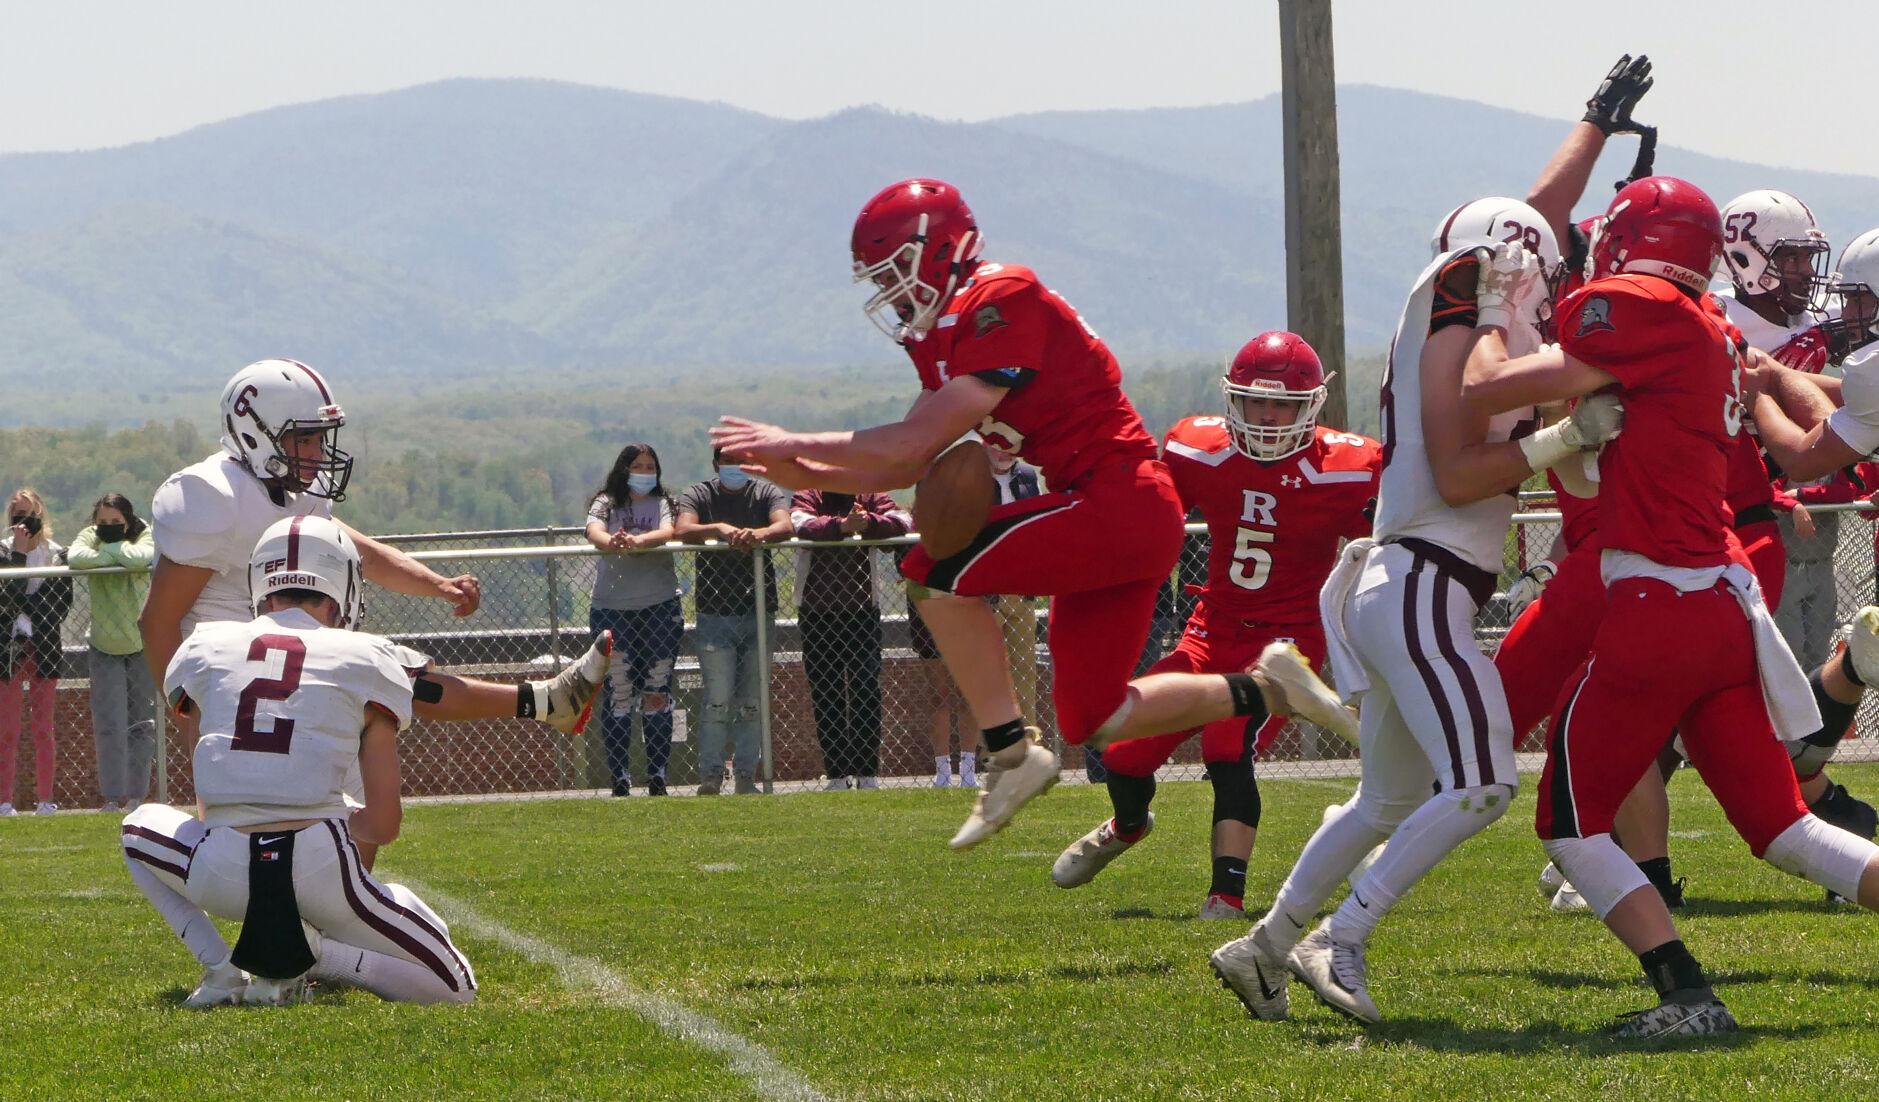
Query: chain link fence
x,y
794,682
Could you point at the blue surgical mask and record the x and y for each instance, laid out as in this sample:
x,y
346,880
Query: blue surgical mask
x,y
642,483
734,478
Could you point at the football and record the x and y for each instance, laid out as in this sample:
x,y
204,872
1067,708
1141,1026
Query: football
x,y
951,502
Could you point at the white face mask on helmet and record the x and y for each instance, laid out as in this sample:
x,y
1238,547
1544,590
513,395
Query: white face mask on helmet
x,y
270,400
1757,224
309,553
1485,223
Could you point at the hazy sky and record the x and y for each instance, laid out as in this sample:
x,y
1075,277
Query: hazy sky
x,y
87,73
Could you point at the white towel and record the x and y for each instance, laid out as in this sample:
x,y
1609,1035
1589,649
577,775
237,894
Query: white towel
x,y
1347,670
1785,690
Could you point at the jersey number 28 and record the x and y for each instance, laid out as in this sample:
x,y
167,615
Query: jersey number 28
x,y
276,739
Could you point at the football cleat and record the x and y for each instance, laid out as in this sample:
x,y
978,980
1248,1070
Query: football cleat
x,y
1219,907
1567,900
1256,972
266,992
222,985
1550,880
1862,643
1090,854
1336,973
1290,688
1676,1019
1008,788
571,692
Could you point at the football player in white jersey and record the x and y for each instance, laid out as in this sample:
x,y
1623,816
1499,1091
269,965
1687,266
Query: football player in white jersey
x,y
278,708
280,458
1777,258
1399,613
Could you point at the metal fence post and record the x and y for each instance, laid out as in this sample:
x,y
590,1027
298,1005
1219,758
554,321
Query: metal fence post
x,y
757,559
162,755
564,746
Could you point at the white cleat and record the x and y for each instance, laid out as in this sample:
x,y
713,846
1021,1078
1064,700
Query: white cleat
x,y
1290,688
571,692
1336,973
1567,900
1090,854
266,992
1550,880
1256,972
1008,788
1862,643
1671,1019
222,985
1219,908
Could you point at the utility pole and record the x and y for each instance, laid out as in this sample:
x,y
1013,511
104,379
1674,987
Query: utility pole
x,y
1314,262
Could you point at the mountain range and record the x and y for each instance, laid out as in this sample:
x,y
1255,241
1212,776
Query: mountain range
x,y
498,229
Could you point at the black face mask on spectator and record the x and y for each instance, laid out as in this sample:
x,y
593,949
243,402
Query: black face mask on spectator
x,y
30,523
838,503
110,533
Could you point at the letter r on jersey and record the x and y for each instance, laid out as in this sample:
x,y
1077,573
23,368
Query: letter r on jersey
x,y
1256,508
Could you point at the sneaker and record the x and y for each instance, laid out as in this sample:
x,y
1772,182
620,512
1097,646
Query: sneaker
x,y
266,992
110,806
622,788
868,783
1336,973
968,780
7,809
1253,970
1290,688
571,692
746,786
1550,880
835,784
941,780
711,786
1567,900
1841,808
1084,858
222,985
655,786
1220,907
1008,788
45,807
1676,1019
1862,643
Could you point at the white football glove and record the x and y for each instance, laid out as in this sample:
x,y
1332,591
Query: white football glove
x,y
1527,587
1597,419
1506,277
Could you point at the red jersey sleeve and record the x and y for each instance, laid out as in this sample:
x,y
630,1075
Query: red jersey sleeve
x,y
1001,334
1624,327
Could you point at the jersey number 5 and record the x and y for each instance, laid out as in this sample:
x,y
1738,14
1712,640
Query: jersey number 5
x,y
276,739
1249,550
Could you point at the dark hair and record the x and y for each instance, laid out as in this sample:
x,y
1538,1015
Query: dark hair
x,y
616,487
133,524
717,454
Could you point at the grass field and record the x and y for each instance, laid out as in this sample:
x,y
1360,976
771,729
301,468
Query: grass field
x,y
837,933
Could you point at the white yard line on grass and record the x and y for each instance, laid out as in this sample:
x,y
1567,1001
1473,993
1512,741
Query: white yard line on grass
x,y
751,1060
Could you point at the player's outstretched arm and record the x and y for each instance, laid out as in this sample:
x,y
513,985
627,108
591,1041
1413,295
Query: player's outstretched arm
x,y
383,564
1803,454
378,821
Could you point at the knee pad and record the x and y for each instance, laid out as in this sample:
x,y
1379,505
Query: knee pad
x,y
1491,800
1814,850
1112,726
1598,868
1811,754
1236,792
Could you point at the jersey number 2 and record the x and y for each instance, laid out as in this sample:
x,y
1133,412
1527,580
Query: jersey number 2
x,y
281,734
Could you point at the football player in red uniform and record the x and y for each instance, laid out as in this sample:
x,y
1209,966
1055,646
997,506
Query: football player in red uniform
x,y
1279,492
998,352
1686,640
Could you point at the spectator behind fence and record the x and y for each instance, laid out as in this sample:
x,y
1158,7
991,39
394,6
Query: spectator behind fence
x,y
637,598
944,707
1810,596
841,627
744,512
1017,616
32,610
123,701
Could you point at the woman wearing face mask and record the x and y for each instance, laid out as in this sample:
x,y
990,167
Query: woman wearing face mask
x,y
637,598
31,612
123,702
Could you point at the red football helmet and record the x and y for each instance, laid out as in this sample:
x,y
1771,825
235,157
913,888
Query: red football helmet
x,y
1659,226
1277,368
915,240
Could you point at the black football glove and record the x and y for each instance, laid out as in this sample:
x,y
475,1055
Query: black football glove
x,y
1609,109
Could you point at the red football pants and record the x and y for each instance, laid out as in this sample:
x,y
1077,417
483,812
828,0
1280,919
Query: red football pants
x,y
1215,643
1767,557
1550,639
1100,552
1661,661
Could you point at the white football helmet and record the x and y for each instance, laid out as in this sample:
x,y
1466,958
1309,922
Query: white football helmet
x,y
1754,226
309,553
1488,222
270,399
1856,285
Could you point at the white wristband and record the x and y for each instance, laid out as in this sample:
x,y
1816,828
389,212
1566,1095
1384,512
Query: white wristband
x,y
1546,447
1500,316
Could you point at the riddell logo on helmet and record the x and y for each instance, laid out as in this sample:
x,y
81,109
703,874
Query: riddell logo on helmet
x,y
296,580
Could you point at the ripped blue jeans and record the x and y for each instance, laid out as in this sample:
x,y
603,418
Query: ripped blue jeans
x,y
645,645
733,679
